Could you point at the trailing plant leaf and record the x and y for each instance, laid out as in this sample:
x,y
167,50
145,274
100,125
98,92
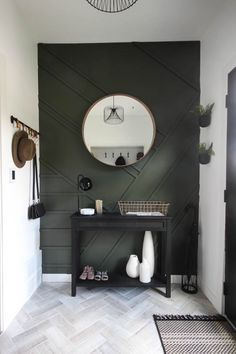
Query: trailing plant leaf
x,y
201,110
204,150
210,150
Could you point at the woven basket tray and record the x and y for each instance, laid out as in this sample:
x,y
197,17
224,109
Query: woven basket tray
x,y
143,206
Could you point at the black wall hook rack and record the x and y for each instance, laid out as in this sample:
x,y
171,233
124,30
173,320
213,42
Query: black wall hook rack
x,y
32,131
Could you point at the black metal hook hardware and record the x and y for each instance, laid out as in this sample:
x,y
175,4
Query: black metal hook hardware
x,y
33,131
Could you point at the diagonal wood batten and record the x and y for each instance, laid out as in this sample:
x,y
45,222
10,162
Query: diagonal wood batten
x,y
165,76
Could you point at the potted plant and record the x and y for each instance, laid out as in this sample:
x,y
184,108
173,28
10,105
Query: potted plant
x,y
204,114
205,153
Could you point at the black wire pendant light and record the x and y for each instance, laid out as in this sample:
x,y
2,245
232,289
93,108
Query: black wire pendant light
x,y
113,115
111,5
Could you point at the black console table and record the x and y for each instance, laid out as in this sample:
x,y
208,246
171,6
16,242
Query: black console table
x,y
161,224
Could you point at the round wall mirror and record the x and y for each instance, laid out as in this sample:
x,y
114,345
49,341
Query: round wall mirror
x,y
118,130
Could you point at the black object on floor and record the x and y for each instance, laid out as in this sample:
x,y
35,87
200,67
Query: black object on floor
x,y
189,279
187,334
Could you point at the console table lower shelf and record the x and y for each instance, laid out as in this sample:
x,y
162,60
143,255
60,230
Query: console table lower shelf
x,y
161,283
123,281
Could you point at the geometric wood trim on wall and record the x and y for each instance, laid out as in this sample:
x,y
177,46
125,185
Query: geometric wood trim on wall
x,y
165,76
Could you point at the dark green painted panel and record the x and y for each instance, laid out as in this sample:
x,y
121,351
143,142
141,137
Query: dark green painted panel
x,y
56,220
171,55
165,76
56,184
44,171
113,249
60,202
55,237
110,250
72,79
162,162
57,256
178,187
181,241
138,74
61,98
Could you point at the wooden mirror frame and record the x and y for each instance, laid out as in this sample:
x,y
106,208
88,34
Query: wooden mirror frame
x,y
148,112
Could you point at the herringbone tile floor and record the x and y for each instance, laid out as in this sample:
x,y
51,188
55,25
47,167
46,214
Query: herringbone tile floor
x,y
100,320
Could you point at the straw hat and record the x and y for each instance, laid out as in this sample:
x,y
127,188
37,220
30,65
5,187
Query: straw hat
x,y
23,149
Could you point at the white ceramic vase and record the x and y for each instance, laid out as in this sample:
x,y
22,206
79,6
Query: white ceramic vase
x,y
144,276
132,266
148,251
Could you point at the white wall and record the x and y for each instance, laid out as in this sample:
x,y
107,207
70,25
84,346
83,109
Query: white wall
x,y
2,88
148,20
134,131
21,255
218,58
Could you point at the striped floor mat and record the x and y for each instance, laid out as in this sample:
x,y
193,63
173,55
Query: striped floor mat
x,y
195,334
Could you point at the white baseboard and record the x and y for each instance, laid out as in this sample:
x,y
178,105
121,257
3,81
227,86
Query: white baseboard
x,y
56,278
66,278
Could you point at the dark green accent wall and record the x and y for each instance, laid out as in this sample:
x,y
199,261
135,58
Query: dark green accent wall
x,y
165,76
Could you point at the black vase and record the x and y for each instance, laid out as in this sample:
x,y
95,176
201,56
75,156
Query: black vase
x,y
205,120
204,158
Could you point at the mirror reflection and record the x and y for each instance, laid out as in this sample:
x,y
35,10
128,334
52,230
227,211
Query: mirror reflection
x,y
118,130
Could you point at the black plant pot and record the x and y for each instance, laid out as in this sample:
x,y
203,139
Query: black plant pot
x,y
205,120
204,158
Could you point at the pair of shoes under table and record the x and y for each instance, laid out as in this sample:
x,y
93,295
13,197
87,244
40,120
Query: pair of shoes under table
x,y
88,273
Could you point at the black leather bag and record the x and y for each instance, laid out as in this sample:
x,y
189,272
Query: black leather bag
x,y
37,209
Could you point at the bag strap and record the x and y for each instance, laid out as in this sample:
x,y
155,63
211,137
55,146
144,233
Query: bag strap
x,y
36,176
33,195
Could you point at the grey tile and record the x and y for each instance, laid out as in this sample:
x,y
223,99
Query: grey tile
x,y
98,321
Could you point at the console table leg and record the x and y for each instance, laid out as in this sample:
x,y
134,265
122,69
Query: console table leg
x,y
75,252
168,286
168,260
73,288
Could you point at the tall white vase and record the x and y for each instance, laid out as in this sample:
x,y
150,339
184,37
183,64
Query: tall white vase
x,y
132,266
144,276
148,251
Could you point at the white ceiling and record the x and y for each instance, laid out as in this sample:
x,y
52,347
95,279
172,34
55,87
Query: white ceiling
x,y
75,21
